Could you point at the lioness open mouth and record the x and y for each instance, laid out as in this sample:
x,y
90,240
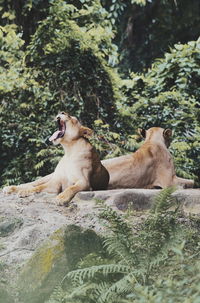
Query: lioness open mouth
x,y
60,132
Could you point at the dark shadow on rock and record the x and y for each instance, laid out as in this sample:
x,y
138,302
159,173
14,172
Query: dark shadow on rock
x,y
132,201
8,226
79,243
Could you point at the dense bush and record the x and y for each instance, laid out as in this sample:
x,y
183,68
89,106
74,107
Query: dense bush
x,y
68,66
168,96
73,50
146,33
64,68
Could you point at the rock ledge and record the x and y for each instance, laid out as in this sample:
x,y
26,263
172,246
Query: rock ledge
x,y
26,222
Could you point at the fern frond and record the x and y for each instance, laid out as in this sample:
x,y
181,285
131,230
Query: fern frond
x,y
116,221
164,200
119,250
119,288
80,275
171,244
120,244
81,291
57,295
101,288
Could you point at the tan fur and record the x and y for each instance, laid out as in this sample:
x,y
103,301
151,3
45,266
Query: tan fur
x,y
79,169
151,166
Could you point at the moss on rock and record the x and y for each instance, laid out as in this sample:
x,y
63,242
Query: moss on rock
x,y
50,263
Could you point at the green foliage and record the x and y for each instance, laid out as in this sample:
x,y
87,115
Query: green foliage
x,y
50,76
145,33
57,295
23,133
163,201
112,144
156,262
168,96
66,62
139,25
62,53
68,65
25,14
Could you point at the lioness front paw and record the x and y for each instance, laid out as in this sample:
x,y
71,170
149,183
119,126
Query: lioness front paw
x,y
63,199
9,189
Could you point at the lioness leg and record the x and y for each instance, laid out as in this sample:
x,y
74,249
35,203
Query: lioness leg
x,y
50,187
26,186
66,196
185,183
42,180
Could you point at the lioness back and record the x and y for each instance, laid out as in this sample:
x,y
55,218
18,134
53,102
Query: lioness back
x,y
151,166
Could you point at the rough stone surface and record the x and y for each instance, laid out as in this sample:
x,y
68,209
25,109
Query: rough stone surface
x,y
25,223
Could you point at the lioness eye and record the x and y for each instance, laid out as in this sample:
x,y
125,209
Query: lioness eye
x,y
63,113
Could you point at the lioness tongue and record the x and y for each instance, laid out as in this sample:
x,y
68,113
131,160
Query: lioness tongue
x,y
55,135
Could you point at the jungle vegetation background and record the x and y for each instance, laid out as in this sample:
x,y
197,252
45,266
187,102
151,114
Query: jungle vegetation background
x,y
117,65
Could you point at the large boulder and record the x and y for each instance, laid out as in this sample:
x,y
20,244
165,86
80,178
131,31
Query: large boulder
x,y
40,241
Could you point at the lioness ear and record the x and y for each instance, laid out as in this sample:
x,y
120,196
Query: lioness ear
x,y
167,133
142,132
85,131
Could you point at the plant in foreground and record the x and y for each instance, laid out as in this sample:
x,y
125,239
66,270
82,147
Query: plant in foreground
x,y
151,264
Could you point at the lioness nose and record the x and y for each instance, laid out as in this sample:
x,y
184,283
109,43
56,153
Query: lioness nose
x,y
58,118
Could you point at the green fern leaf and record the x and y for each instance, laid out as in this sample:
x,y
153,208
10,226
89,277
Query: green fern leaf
x,y
164,200
80,275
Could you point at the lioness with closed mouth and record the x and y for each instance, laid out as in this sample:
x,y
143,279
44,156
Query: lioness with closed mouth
x,y
151,166
79,169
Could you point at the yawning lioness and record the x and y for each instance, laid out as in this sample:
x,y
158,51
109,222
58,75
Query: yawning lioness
x,y
79,169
